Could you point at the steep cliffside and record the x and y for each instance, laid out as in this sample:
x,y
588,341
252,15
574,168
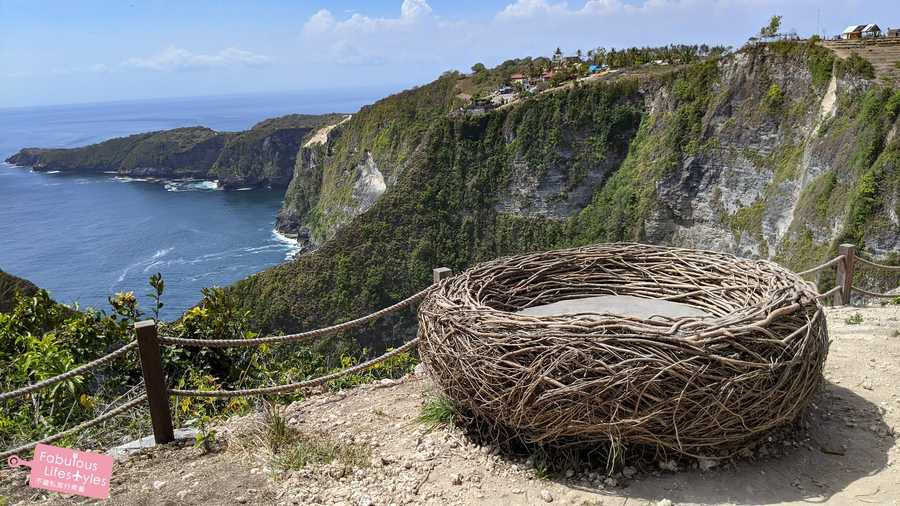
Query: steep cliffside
x,y
778,151
263,155
342,177
10,286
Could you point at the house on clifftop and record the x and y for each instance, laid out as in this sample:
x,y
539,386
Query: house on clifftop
x,y
861,31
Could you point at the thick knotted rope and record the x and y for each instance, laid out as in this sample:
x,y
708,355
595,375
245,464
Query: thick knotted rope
x,y
68,374
80,427
290,387
694,385
302,336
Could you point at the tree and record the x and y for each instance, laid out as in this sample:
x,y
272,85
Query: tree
x,y
478,67
772,29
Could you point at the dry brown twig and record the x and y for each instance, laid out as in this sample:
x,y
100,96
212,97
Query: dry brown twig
x,y
695,386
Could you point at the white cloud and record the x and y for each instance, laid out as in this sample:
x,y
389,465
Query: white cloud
x,y
529,9
411,13
412,36
532,8
541,8
413,9
174,58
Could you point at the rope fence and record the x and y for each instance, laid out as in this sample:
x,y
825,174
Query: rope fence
x,y
895,268
280,389
299,337
829,293
81,426
876,294
822,266
68,374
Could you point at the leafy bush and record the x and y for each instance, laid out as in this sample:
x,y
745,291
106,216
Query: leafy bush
x,y
857,66
774,98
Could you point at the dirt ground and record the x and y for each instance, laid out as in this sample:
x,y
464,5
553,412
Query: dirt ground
x,y
844,452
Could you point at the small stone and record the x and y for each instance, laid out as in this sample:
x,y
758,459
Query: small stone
x,y
240,499
546,496
663,502
421,369
668,465
180,495
629,471
455,479
611,482
707,464
158,484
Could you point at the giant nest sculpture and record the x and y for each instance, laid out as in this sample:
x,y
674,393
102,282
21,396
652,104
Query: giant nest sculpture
x,y
690,351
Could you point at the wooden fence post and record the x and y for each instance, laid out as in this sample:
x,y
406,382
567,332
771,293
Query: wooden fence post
x,y
441,273
845,273
154,381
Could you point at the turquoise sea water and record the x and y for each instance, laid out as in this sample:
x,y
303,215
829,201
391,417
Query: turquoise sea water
x,y
84,238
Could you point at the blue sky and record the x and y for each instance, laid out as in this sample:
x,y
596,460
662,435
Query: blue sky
x,y
54,52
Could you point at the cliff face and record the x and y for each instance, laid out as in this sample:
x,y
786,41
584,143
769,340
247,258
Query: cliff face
x,y
342,176
10,286
263,155
775,152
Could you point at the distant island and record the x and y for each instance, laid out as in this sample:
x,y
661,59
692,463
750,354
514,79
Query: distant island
x,y
264,155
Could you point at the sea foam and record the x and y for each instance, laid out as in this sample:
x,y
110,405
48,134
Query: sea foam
x,y
292,244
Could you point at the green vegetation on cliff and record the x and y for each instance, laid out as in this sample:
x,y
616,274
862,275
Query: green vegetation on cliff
x,y
442,210
710,155
178,152
266,152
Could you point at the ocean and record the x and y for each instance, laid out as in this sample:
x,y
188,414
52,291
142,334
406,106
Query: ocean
x,y
84,238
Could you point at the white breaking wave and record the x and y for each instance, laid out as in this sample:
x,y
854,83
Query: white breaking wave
x,y
53,172
192,185
128,179
147,262
292,244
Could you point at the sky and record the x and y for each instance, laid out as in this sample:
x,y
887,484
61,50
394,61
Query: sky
x,y
62,52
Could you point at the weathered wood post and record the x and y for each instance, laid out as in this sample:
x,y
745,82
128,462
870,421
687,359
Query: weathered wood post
x,y
441,273
845,274
154,381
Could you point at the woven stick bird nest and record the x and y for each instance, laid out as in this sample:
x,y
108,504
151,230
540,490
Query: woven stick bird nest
x,y
695,385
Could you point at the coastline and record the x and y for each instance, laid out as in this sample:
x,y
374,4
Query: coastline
x,y
296,247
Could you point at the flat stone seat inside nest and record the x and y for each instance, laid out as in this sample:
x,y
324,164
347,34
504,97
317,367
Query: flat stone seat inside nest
x,y
618,305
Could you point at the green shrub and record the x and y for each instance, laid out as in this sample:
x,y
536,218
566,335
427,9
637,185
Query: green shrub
x,y
856,66
774,98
